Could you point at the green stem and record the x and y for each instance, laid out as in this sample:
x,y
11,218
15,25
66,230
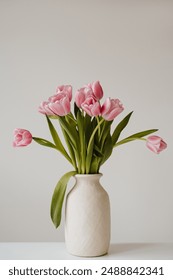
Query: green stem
x,y
71,117
70,148
99,125
126,140
94,132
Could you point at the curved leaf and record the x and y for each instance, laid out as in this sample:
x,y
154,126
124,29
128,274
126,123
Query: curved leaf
x,y
105,131
70,147
57,140
120,128
70,131
136,136
142,133
44,142
107,149
58,197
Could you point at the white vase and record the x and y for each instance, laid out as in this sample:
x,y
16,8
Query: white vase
x,y
87,217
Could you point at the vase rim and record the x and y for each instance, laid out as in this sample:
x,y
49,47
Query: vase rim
x,y
88,175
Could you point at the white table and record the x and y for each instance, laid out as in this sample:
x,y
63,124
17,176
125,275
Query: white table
x,y
57,251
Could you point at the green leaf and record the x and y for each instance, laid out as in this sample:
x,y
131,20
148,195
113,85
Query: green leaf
x,y
120,128
44,142
105,131
73,134
71,131
70,148
57,140
136,136
70,119
89,155
88,127
58,198
97,151
91,146
142,133
107,149
94,168
94,132
82,145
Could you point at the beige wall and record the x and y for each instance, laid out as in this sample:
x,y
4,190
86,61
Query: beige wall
x,y
128,46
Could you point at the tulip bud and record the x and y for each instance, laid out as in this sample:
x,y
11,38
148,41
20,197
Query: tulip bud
x,y
97,90
155,144
22,137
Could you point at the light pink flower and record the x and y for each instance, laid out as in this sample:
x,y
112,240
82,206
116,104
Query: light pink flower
x,y
93,90
97,89
111,108
67,89
82,94
44,108
91,106
58,104
155,144
22,137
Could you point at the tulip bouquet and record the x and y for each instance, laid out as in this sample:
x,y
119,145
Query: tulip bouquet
x,y
87,133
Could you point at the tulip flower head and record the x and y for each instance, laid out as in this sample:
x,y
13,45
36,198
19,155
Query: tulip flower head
x,y
22,137
97,90
156,144
111,109
58,104
91,106
89,94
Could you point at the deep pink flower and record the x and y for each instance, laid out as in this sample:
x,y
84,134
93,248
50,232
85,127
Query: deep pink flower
x,y
91,106
22,137
58,104
111,108
156,144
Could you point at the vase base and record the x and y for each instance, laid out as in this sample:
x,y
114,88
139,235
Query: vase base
x,y
84,255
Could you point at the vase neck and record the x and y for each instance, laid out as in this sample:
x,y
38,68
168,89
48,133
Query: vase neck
x,y
90,178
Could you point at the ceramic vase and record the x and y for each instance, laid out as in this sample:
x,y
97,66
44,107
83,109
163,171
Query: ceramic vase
x,y
87,217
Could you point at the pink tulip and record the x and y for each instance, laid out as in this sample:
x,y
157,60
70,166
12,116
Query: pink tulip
x,y
44,108
91,106
156,144
65,90
111,108
97,89
93,90
22,137
82,94
58,104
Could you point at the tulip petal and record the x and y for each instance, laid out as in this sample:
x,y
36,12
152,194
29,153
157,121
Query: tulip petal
x,y
106,106
97,90
57,109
